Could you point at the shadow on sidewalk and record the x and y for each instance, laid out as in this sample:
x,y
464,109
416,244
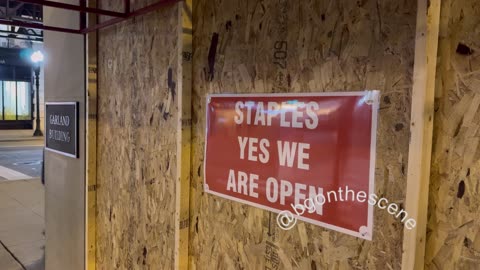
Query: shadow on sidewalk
x,y
38,265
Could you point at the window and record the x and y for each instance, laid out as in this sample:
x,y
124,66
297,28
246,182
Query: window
x,y
15,101
23,101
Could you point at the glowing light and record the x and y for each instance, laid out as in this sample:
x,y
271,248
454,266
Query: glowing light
x,y
37,57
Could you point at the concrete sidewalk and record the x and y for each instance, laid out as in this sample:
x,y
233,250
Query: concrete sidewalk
x,y
18,135
7,261
14,138
22,222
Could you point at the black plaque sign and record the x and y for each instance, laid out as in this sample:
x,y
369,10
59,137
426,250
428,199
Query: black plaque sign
x,y
61,126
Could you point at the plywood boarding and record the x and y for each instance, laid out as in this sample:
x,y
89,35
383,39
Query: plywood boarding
x,y
421,130
453,233
185,126
332,46
138,71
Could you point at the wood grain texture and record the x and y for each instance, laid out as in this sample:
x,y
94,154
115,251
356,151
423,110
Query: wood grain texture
x,y
332,46
138,71
453,232
421,130
184,138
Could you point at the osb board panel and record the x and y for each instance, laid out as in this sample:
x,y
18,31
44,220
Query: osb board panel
x,y
138,71
332,46
453,233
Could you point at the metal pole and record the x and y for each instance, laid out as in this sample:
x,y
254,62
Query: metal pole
x,y
37,132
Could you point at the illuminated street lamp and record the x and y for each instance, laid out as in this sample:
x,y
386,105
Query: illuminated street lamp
x,y
37,59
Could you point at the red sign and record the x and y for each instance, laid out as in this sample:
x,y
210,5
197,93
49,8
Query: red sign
x,y
274,151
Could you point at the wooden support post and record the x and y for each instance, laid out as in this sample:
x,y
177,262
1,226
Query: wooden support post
x,y
184,137
91,142
421,129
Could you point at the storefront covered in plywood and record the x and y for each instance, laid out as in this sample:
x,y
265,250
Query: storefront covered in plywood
x,y
453,230
330,46
151,208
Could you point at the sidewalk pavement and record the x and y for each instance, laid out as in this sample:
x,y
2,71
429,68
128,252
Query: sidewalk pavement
x,y
7,261
19,135
22,223
14,138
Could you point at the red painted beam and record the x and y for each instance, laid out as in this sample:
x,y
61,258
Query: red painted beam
x,y
75,7
132,14
120,16
40,26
